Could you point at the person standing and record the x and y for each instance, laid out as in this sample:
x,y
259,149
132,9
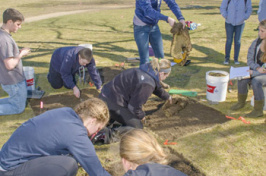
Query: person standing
x,y
12,77
66,62
146,29
262,10
52,143
235,13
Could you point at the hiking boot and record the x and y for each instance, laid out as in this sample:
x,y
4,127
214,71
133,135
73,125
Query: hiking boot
x,y
241,102
258,109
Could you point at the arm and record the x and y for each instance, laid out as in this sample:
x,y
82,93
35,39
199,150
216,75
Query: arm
x,y
139,98
12,62
161,93
175,9
94,74
223,8
248,9
83,151
251,51
65,71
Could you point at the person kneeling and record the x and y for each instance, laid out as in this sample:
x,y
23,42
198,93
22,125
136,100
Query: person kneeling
x,y
52,143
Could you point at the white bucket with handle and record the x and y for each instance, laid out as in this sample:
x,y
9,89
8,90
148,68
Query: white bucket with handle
x,y
29,74
217,83
88,45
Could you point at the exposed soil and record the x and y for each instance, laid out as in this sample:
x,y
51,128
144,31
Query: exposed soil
x,y
168,121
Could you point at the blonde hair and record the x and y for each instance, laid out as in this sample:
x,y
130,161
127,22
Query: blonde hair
x,y
93,108
160,65
140,147
263,57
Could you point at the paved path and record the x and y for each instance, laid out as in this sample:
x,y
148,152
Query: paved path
x,y
58,14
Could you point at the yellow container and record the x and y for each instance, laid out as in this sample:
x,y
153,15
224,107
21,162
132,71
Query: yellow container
x,y
179,60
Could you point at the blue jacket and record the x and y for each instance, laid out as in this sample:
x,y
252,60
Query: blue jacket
x,y
154,169
66,62
148,11
55,132
236,12
132,88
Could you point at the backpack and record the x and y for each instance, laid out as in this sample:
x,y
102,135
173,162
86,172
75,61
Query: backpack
x,y
230,1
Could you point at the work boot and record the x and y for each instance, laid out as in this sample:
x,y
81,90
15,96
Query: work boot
x,y
258,109
164,85
241,102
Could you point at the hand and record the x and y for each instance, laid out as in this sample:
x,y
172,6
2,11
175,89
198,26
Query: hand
x,y
25,51
261,70
170,100
171,21
183,22
143,120
250,72
76,91
100,89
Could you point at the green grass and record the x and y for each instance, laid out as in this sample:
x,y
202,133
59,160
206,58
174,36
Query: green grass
x,y
233,148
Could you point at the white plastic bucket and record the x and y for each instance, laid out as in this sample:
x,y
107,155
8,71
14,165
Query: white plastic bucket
x,y
252,99
217,86
29,74
88,45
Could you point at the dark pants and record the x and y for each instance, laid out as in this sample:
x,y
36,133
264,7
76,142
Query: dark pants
x,y
122,114
43,166
55,79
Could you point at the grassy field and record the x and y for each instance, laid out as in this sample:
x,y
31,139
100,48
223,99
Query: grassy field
x,y
233,148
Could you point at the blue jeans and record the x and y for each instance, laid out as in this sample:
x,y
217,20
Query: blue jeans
x,y
16,102
236,33
257,83
148,34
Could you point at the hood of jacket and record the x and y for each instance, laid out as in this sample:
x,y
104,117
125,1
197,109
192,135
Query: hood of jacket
x,y
147,68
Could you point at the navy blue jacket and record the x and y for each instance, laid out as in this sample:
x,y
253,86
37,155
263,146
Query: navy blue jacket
x,y
154,169
66,62
133,87
149,12
55,132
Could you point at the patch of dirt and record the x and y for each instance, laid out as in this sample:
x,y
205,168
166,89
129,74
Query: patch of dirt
x,y
61,100
168,121
182,117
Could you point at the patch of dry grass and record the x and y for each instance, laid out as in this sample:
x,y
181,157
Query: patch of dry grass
x,y
233,148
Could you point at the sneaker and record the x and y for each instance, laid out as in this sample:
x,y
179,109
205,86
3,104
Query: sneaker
x,y
226,62
237,63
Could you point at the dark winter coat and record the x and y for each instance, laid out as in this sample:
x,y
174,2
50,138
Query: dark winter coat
x,y
66,62
133,87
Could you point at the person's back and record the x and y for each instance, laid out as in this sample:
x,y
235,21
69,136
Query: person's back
x,y
128,84
46,134
154,169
